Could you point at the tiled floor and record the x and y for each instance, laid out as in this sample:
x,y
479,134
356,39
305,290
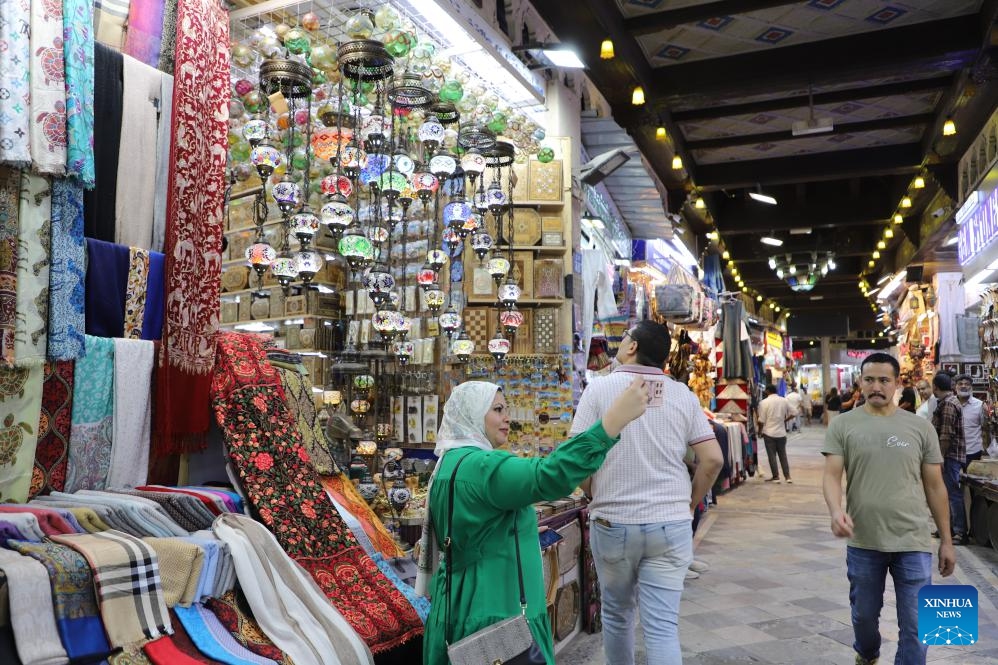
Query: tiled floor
x,y
777,590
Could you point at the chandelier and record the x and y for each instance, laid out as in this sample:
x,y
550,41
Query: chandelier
x,y
372,150
802,274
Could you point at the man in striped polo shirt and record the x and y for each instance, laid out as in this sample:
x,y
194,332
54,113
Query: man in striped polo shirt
x,y
643,499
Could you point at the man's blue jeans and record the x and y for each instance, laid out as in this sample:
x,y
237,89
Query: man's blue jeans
x,y
867,570
643,565
957,514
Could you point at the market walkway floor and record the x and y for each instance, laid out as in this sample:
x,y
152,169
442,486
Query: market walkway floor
x,y
777,591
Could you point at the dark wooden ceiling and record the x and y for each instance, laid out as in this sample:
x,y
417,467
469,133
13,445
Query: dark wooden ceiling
x,y
728,79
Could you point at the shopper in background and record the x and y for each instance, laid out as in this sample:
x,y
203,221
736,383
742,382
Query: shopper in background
x,y
643,498
793,398
494,495
772,418
948,421
885,452
976,429
807,408
907,399
928,405
850,401
833,404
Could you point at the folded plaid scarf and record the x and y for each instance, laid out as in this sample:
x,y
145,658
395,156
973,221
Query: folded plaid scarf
x,y
126,576
75,607
34,621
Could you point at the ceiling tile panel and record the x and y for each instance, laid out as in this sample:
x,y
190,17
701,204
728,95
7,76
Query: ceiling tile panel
x,y
809,145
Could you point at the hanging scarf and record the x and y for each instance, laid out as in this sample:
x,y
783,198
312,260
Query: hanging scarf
x,y
132,412
48,89
34,621
342,490
301,403
194,218
99,203
462,425
136,180
93,406
265,450
168,46
212,638
20,409
66,273
126,577
35,221
78,49
152,317
182,640
106,288
10,189
110,17
135,293
245,629
53,429
15,49
76,614
163,141
145,31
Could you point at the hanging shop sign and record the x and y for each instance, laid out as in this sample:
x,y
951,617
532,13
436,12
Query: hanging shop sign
x,y
978,225
615,231
653,252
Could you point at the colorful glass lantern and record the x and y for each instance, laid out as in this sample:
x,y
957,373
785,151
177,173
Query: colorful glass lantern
x,y
308,262
443,166
470,225
456,213
285,269
356,247
462,346
499,348
434,297
337,214
403,163
255,131
436,258
305,225
265,158
352,160
425,184
496,198
481,201
498,266
431,133
511,320
388,323
450,321
473,164
379,232
509,293
327,141
481,243
452,242
259,256
360,406
363,382
376,166
426,276
392,183
336,184
403,350
287,193
379,282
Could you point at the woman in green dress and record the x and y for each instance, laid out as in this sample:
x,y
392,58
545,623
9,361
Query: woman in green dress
x,y
494,491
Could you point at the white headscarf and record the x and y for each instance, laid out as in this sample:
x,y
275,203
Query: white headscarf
x,y
463,425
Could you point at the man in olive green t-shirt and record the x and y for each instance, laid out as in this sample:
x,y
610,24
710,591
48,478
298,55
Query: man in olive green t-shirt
x,y
893,469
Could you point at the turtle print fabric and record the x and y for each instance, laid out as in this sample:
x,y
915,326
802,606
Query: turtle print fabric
x,y
35,222
78,53
20,409
93,408
47,123
15,93
266,450
54,426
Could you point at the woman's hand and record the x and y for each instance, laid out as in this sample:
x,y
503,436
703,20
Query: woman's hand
x,y
629,405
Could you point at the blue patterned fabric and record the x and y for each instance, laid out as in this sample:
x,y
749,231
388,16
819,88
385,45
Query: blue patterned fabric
x,y
152,323
93,409
419,603
66,286
213,639
78,48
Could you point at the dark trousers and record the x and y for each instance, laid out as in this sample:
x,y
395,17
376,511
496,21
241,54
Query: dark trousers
x,y
777,445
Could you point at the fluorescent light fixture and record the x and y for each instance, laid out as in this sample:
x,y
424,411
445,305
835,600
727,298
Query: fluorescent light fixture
x,y
817,297
622,262
979,277
993,266
872,293
769,240
890,287
564,57
762,198
952,241
653,272
800,232
883,279
772,263
256,326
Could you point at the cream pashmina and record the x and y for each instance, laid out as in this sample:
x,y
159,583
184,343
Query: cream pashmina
x,y
180,565
132,414
35,633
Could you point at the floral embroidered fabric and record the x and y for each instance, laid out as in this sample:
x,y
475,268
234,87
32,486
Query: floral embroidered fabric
x,y
35,221
54,426
238,620
265,448
135,294
298,392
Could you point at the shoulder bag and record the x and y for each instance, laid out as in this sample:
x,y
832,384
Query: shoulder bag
x,y
508,642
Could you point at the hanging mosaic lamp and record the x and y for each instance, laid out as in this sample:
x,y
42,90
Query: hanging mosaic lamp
x,y
499,348
462,346
304,225
337,214
426,185
509,293
481,243
443,166
388,323
287,193
308,262
352,160
265,158
436,258
431,133
496,198
285,269
511,320
356,248
256,131
434,297
472,224
336,184
391,184
260,255
498,266
451,242
481,201
456,213
450,321
403,350
473,163
379,282
426,276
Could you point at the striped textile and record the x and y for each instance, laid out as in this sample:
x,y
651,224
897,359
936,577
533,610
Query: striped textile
x,y
129,591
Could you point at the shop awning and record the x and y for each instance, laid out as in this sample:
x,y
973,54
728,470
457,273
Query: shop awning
x,y
634,188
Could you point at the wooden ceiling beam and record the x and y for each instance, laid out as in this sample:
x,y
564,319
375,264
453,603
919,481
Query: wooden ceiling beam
x,y
930,84
650,23
873,125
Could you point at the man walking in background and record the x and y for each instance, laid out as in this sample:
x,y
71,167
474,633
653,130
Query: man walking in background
x,y
892,464
928,404
643,498
948,422
793,398
772,418
976,430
